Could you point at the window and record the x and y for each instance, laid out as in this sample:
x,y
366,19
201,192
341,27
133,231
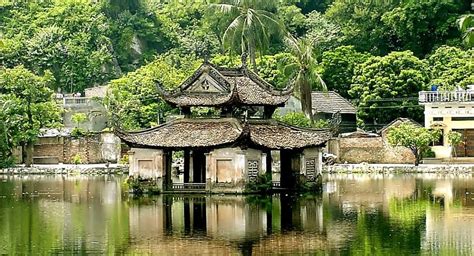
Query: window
x,y
437,119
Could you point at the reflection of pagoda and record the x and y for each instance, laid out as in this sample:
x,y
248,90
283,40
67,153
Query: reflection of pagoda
x,y
222,154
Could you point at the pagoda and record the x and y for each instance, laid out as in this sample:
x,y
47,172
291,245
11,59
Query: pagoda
x,y
224,153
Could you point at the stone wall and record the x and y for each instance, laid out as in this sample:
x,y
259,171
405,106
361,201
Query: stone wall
x,y
369,150
96,148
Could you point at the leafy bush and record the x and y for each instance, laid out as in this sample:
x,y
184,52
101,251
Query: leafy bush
x,y
124,159
415,138
78,132
262,185
77,159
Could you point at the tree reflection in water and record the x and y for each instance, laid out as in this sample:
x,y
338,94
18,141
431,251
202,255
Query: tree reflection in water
x,y
357,214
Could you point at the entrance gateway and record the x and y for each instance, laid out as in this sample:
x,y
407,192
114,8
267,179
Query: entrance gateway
x,y
224,153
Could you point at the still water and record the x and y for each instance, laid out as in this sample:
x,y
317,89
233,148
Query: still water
x,y
356,215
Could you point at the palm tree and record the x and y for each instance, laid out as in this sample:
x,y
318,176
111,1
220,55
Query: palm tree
x,y
304,70
252,26
466,25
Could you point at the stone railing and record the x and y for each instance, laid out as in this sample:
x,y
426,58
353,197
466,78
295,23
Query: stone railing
x,y
189,186
445,96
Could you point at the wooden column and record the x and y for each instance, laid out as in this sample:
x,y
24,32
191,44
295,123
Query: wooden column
x,y
186,165
168,155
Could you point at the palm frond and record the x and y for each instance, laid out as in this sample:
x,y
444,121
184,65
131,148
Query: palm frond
x,y
225,8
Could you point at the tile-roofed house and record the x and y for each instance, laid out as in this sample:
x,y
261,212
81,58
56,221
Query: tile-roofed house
x,y
222,154
331,102
325,104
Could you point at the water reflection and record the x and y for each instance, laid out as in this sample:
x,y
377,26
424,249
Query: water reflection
x,y
357,214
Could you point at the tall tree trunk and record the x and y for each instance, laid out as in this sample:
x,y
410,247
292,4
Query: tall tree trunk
x,y
306,103
417,154
29,153
253,57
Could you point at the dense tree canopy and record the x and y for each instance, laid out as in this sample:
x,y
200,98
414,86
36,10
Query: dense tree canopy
x,y
338,68
27,106
387,87
134,100
451,67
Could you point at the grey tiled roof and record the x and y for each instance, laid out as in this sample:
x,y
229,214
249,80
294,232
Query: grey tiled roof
x,y
199,133
331,102
240,86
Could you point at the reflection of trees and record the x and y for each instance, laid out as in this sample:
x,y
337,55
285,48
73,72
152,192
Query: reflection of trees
x,y
48,220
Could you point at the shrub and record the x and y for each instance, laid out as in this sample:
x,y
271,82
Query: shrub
x,y
77,159
124,160
263,184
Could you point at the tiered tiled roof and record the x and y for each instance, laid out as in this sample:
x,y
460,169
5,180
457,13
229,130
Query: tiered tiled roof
x,y
200,133
217,86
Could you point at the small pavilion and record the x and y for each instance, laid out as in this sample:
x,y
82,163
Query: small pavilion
x,y
225,152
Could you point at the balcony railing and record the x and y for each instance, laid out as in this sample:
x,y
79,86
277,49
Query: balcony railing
x,y
445,96
67,101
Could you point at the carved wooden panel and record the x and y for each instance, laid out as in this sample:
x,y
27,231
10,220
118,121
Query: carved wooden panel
x,y
252,167
311,169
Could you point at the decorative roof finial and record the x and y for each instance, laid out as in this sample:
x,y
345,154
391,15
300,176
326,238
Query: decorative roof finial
x,y
244,59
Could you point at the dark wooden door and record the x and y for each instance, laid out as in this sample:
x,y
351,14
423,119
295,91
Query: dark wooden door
x,y
466,147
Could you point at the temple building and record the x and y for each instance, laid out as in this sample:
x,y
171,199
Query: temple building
x,y
225,152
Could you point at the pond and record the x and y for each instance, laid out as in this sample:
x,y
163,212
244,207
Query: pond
x,y
357,214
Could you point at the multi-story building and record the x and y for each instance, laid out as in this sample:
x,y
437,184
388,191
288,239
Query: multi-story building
x,y
450,111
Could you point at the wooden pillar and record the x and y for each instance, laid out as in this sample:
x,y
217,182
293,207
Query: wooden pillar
x,y
168,160
168,220
268,162
187,216
186,165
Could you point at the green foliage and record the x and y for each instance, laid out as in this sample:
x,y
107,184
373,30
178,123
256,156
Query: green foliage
x,y
134,99
65,37
466,26
262,185
76,159
269,67
451,67
79,118
78,132
124,159
419,26
383,26
139,186
398,75
454,139
293,118
27,105
300,120
325,33
338,68
304,71
252,26
417,139
321,124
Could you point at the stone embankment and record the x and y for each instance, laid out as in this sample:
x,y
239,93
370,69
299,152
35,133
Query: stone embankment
x,y
399,168
67,169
